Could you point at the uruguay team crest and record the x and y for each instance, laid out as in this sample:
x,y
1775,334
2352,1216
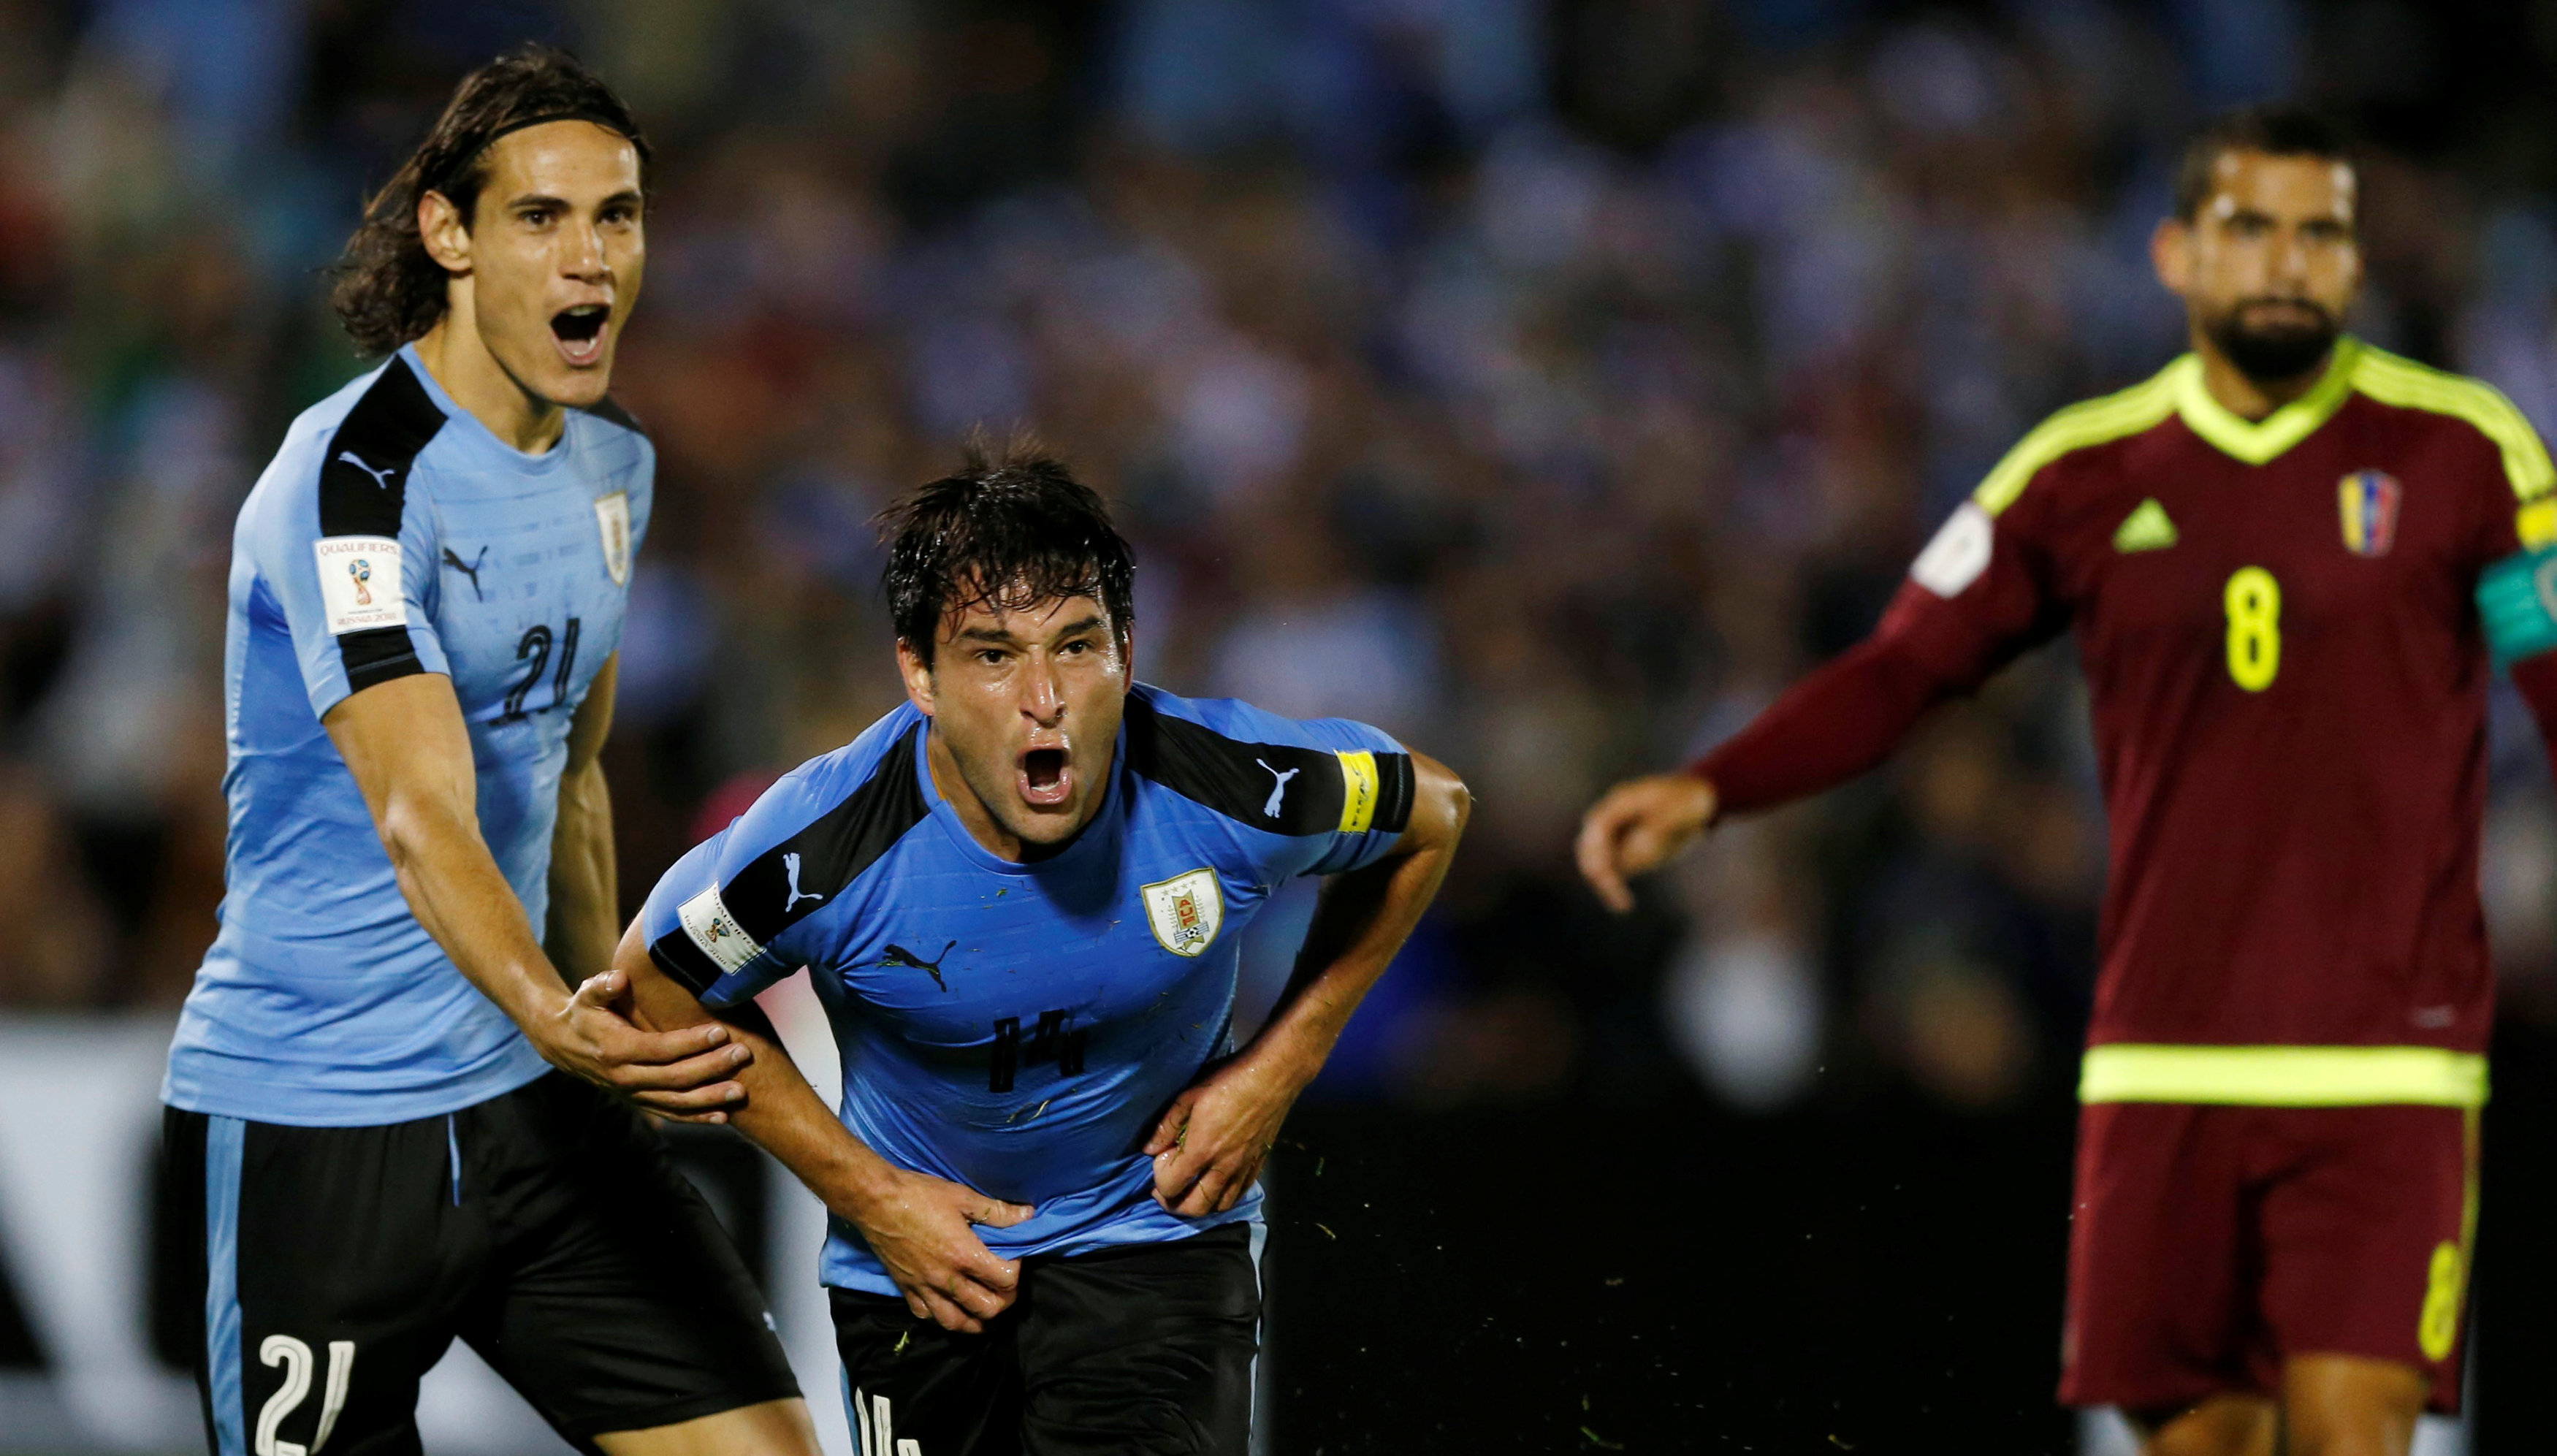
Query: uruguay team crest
x,y
2370,503
1186,911
612,518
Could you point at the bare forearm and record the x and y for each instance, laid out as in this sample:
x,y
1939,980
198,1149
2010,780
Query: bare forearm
x,y
584,884
1362,920
454,886
783,1114
1361,923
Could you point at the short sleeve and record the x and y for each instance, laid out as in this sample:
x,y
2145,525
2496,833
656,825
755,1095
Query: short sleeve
x,y
695,937
773,891
346,542
355,601
1317,796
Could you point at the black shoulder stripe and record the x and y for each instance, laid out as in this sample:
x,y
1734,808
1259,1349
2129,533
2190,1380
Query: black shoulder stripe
x,y
363,486
789,881
364,482
677,956
609,408
1395,790
1277,787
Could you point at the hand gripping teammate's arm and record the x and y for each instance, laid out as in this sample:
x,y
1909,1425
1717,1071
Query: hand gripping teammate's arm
x,y
583,915
1210,1144
916,1223
1977,595
406,745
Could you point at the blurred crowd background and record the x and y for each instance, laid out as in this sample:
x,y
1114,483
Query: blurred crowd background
x,y
1547,381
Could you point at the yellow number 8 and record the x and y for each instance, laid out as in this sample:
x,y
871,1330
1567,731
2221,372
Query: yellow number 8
x,y
2254,603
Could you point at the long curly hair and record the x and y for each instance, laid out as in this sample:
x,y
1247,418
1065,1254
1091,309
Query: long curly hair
x,y
388,290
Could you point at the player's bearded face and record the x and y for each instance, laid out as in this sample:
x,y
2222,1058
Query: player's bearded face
x,y
2272,338
556,249
2270,263
1025,704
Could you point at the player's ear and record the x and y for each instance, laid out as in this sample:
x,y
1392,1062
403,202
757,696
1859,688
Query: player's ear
x,y
2171,253
446,235
917,674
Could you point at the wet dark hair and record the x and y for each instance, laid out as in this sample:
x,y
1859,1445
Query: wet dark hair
x,y
389,289
1011,528
2274,131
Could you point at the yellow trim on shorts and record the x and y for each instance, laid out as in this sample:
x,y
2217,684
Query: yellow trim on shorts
x,y
2284,1076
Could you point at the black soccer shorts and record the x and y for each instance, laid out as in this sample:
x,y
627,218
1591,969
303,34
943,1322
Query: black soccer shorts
x,y
1142,1351
548,1227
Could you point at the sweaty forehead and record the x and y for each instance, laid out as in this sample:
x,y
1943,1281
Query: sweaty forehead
x,y
2293,187
1008,614
571,159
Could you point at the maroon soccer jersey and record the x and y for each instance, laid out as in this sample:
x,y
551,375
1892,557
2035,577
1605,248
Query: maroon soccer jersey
x,y
2278,629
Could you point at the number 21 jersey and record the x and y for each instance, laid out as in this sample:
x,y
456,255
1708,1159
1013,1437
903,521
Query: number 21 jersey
x,y
394,534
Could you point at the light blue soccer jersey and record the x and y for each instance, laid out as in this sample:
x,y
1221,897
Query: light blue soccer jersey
x,y
394,534
1019,1027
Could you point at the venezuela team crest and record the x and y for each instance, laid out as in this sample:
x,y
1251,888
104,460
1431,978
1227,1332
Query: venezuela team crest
x,y
1185,911
2369,501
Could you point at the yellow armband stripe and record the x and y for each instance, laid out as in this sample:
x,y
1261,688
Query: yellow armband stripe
x,y
1359,786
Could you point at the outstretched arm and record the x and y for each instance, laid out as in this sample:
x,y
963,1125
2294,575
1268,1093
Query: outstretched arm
x,y
916,1223
1834,725
1978,594
1210,1144
405,743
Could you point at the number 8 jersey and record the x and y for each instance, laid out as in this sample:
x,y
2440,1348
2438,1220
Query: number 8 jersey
x,y
394,534
2281,629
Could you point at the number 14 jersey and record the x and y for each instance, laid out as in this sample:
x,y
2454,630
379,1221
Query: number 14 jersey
x,y
394,534
1017,1027
2278,624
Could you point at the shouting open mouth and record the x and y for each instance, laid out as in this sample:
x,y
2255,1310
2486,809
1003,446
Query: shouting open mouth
x,y
580,333
1047,776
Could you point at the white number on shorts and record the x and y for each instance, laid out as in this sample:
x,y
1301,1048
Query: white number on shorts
x,y
294,1356
878,1425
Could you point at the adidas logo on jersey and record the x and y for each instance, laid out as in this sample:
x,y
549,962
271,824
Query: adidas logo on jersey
x,y
2145,529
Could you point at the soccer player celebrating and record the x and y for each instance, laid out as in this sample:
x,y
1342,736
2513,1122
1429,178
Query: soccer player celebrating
x,y
427,587
2288,558
1021,897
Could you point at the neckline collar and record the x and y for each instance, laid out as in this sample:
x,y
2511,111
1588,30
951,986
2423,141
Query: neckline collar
x,y
472,424
1102,826
2257,442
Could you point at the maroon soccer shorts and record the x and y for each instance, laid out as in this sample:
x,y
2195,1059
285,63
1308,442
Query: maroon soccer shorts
x,y
2209,1243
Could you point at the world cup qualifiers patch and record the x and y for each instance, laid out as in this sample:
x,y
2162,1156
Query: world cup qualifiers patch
x,y
359,583
1959,554
716,932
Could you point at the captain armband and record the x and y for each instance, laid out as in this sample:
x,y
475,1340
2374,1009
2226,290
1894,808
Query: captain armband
x,y
2517,602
